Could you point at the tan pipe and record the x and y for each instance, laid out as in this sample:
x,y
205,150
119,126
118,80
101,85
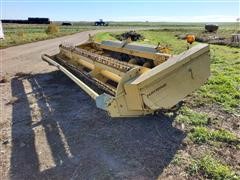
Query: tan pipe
x,y
105,73
86,64
111,75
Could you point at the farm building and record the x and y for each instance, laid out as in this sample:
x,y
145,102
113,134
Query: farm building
x,y
30,20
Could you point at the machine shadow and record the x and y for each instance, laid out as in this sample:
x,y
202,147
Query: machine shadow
x,y
83,141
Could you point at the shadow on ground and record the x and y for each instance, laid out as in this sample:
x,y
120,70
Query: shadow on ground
x,y
83,142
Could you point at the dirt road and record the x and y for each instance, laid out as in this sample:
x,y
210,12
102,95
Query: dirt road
x,y
50,129
27,58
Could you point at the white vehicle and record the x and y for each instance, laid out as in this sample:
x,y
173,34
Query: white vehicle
x,y
1,31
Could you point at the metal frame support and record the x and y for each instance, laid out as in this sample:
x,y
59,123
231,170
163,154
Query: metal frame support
x,y
81,84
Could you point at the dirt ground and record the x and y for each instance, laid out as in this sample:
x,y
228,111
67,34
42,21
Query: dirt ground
x,y
50,129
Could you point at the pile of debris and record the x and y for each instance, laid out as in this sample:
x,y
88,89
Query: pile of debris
x,y
133,35
212,38
211,27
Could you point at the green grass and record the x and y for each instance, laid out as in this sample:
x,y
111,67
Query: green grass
x,y
190,117
223,87
104,36
212,168
202,135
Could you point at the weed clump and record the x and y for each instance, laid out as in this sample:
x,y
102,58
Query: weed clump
x,y
212,169
191,117
200,135
52,29
224,136
203,135
20,34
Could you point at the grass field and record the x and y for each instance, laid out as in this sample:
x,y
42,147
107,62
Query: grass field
x,y
210,116
16,34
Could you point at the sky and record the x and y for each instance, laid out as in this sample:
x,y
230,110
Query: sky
x,y
124,10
